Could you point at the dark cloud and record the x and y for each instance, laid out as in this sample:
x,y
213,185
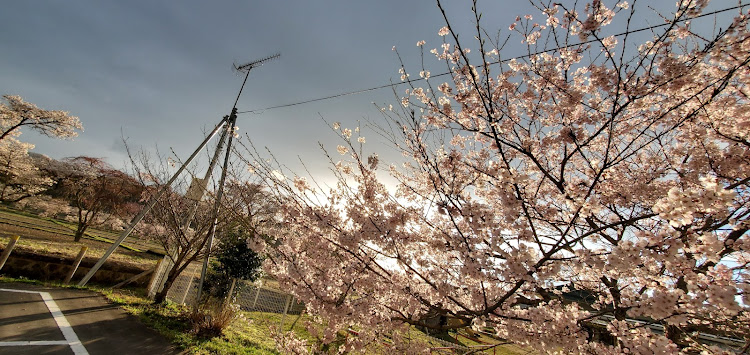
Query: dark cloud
x,y
160,71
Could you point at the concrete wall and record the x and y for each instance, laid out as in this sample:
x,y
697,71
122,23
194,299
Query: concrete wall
x,y
56,268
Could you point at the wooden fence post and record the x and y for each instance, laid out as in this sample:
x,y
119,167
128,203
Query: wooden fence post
x,y
76,264
8,249
257,292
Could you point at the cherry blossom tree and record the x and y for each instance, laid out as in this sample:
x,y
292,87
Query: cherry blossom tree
x,y
46,206
18,113
19,177
97,192
604,163
251,207
179,224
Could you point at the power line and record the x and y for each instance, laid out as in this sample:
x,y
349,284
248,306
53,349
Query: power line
x,y
355,92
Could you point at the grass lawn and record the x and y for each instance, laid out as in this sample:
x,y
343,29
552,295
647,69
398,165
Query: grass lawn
x,y
247,333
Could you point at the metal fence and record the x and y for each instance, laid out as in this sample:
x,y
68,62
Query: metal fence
x,y
249,296
254,296
184,289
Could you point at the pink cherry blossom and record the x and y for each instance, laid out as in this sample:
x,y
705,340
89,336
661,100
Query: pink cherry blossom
x,y
547,197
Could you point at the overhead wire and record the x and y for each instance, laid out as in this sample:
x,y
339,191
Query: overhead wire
x,y
355,92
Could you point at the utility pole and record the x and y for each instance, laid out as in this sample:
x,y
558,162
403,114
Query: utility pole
x,y
149,206
229,123
217,204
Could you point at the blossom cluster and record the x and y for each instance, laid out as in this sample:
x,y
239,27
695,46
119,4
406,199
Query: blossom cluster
x,y
545,196
19,177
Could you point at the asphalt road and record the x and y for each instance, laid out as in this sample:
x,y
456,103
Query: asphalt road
x,y
45,320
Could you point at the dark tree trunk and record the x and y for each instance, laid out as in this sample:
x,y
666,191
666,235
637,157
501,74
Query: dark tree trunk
x,y
161,296
80,231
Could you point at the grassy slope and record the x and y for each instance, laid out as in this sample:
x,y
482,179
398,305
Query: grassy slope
x,y
51,237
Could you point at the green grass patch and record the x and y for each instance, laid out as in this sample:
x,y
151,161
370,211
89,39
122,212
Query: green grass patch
x,y
22,280
70,249
247,334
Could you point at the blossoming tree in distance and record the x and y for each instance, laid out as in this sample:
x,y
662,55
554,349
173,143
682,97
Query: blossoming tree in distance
x,y
606,164
19,177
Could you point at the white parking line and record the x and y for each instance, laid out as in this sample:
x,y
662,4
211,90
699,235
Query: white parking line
x,y
33,342
71,339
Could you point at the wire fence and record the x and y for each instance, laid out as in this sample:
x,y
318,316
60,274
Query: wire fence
x,y
257,296
184,289
247,295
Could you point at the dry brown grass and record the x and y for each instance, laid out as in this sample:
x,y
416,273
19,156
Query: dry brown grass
x,y
48,237
211,319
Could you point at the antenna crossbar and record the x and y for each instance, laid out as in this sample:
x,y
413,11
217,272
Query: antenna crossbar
x,y
257,63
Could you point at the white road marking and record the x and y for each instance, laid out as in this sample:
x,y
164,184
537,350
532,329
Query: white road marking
x,y
17,291
71,339
33,342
